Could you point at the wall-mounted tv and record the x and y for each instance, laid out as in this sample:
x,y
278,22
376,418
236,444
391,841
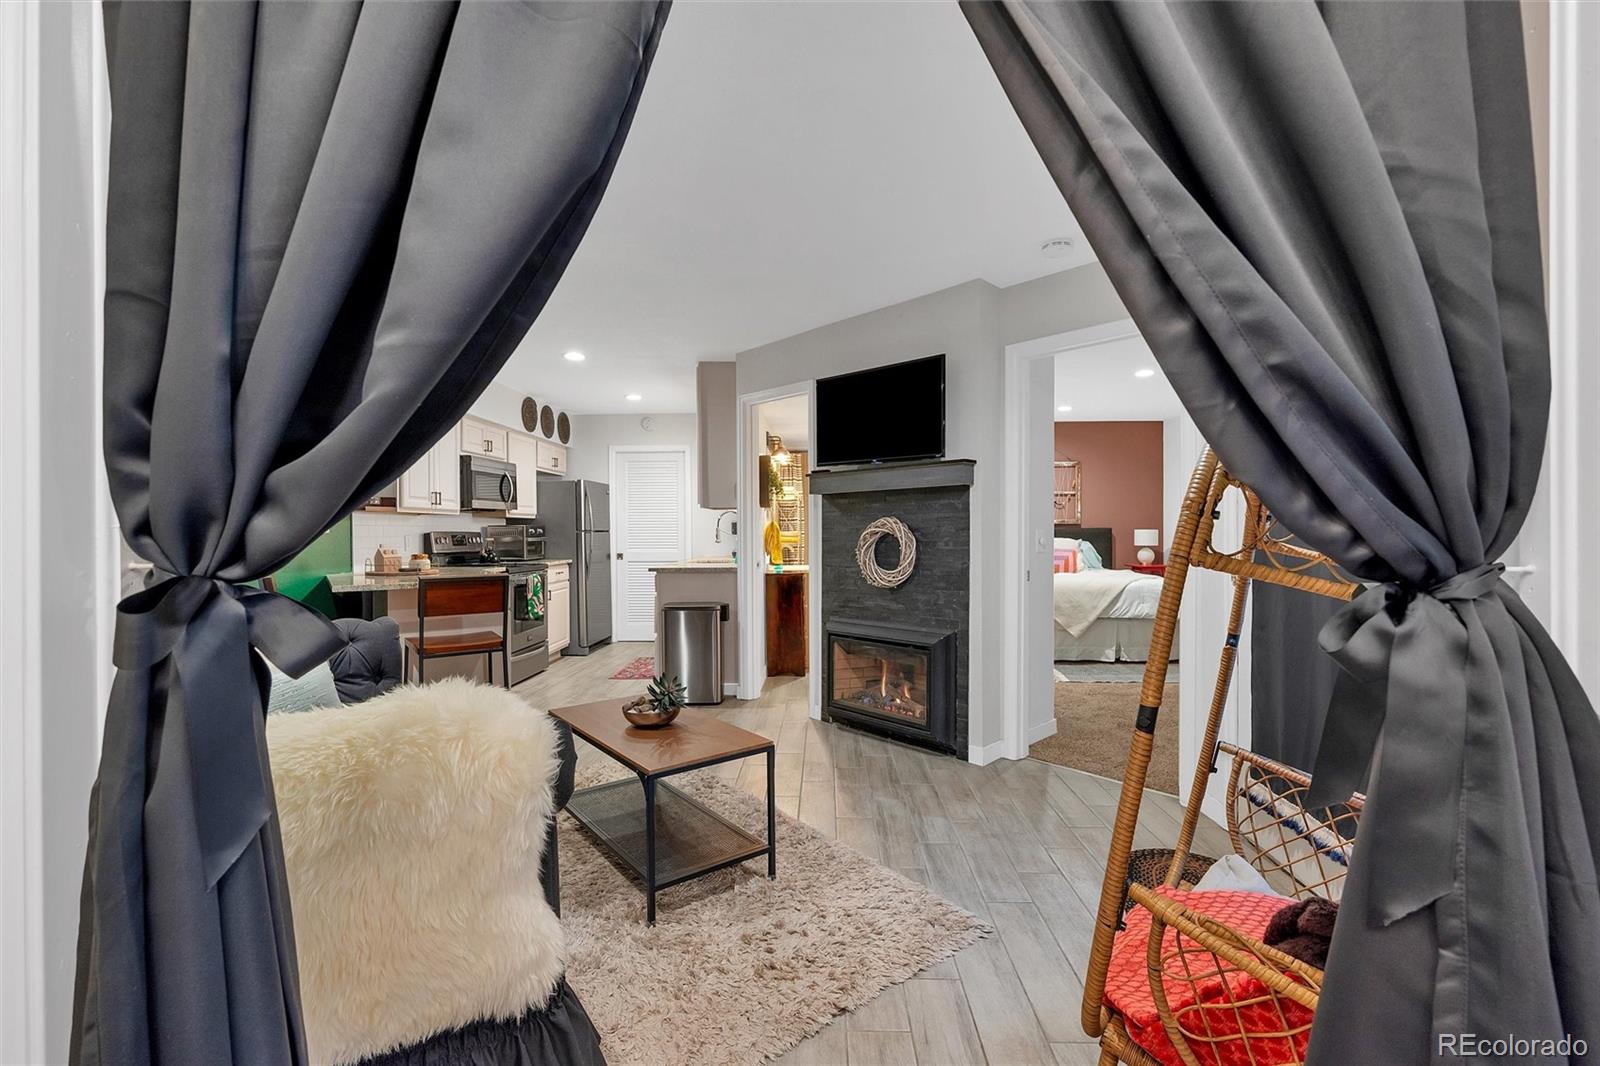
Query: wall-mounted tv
x,y
887,414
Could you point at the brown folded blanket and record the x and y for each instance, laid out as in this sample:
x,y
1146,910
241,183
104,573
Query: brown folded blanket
x,y
1303,930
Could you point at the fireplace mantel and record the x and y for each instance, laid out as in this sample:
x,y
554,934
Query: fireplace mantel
x,y
889,477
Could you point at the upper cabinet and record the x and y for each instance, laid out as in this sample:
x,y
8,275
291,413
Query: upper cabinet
x,y
523,451
552,457
716,415
433,484
479,437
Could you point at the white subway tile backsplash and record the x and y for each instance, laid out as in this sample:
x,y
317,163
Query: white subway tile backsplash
x,y
403,532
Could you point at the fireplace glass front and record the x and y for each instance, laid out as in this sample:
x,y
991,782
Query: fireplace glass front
x,y
892,679
883,679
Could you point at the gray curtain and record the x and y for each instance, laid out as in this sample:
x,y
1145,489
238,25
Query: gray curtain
x,y
1289,684
1322,218
329,224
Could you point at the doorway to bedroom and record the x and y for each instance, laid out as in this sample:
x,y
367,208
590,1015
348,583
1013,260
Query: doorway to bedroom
x,y
1104,472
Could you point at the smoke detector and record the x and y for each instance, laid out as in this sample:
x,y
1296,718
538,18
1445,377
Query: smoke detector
x,y
1058,248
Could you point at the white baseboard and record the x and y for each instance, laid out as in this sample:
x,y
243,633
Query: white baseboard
x,y
984,754
1042,730
730,688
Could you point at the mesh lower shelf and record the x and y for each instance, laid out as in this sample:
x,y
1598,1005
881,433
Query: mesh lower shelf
x,y
691,838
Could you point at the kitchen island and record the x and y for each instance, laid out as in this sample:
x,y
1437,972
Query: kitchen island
x,y
366,595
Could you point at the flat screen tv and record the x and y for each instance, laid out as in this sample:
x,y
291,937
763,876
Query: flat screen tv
x,y
884,415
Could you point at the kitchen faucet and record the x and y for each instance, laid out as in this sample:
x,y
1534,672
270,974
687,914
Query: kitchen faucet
x,y
734,532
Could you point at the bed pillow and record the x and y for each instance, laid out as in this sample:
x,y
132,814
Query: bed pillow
x,y
1089,559
1066,559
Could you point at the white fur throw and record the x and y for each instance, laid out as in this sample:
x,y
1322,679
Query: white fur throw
x,y
413,826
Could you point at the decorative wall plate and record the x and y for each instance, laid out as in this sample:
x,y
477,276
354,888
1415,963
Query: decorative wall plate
x,y
563,427
547,422
530,414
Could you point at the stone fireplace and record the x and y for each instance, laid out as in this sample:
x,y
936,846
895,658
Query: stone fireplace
x,y
895,659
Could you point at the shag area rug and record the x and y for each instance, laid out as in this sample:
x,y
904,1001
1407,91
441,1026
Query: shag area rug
x,y
737,968
1093,723
641,669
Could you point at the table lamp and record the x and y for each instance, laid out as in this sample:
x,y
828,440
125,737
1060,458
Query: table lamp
x,y
1146,540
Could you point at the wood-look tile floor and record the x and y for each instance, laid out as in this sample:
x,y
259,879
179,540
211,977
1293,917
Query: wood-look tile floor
x,y
1021,844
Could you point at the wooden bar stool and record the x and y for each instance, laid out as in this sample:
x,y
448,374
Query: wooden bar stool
x,y
453,597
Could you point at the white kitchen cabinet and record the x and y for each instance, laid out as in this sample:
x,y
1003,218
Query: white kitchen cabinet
x,y
552,457
433,484
559,606
479,437
523,451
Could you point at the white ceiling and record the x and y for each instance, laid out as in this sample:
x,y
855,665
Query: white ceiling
x,y
1097,382
790,165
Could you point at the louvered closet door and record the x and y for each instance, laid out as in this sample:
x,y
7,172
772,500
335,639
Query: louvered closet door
x,y
650,515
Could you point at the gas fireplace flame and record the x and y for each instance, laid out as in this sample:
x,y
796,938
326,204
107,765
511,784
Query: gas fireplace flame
x,y
883,677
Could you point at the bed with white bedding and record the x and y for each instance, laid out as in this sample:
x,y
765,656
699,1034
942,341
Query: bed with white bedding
x,y
1105,616
1101,614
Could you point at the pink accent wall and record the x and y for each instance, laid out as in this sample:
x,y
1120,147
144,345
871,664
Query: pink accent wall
x,y
1121,478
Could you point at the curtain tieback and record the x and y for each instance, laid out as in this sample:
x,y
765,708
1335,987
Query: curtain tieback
x,y
207,626
1415,662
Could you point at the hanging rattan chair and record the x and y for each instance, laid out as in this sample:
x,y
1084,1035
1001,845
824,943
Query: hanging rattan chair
x,y
1221,996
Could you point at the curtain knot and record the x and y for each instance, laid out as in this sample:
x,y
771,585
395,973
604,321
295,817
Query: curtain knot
x,y
201,630
1415,661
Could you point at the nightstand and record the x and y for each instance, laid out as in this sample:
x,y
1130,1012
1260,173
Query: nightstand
x,y
1157,569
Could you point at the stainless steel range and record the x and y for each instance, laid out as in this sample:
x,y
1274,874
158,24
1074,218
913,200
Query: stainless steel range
x,y
521,550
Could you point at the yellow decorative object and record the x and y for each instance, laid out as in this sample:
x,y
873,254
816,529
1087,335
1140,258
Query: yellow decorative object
x,y
772,543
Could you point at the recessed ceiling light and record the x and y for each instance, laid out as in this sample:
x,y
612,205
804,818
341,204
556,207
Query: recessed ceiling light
x,y
633,397
1064,407
1144,372
574,356
1056,248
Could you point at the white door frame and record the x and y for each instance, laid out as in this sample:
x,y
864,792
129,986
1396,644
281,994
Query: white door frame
x,y
56,621
752,574
684,519
1202,622
1019,429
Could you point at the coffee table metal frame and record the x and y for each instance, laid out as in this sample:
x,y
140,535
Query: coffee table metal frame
x,y
589,818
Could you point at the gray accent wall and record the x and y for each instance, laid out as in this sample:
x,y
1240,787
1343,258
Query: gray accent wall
x,y
935,596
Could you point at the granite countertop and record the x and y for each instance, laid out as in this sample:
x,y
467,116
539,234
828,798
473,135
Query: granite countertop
x,y
724,565
558,562
789,568
398,582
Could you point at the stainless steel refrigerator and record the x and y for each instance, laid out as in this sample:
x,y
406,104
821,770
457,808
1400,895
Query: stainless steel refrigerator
x,y
577,520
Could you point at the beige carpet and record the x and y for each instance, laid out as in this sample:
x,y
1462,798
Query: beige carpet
x,y
738,968
1093,724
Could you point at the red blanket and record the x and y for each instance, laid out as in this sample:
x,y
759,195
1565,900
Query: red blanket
x,y
1226,1002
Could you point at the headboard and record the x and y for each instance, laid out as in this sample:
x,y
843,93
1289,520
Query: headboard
x,y
1100,536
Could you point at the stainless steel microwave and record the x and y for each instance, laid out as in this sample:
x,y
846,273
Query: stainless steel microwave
x,y
487,484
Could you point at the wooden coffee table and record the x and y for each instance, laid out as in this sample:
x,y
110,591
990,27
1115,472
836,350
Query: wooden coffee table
x,y
661,834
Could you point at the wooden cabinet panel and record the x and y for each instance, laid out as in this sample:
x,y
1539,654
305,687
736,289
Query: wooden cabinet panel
x,y
433,484
560,606
523,452
479,437
447,472
787,625
552,458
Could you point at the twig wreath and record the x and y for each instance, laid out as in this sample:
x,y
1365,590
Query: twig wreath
x,y
866,553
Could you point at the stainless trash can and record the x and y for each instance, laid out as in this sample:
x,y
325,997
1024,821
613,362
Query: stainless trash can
x,y
692,648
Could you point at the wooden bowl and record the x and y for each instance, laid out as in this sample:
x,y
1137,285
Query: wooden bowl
x,y
648,719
